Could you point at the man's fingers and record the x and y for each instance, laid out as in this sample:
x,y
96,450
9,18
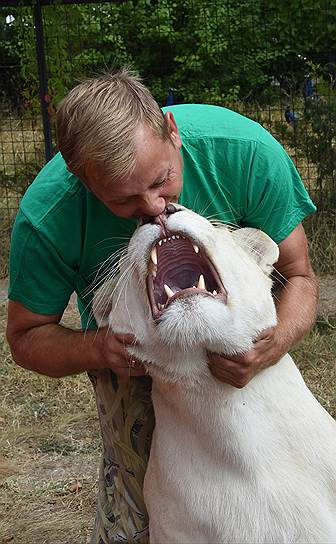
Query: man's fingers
x,y
128,366
233,372
118,358
236,379
126,339
265,335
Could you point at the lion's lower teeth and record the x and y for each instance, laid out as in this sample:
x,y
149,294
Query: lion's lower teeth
x,y
168,291
201,282
200,285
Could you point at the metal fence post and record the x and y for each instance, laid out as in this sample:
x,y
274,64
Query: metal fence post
x,y
43,80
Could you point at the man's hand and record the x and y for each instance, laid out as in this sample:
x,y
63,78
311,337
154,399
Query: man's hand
x,y
239,370
114,353
296,301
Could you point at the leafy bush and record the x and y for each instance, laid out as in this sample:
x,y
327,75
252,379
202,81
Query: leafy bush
x,y
210,52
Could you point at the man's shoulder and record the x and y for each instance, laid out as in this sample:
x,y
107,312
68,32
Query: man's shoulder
x,y
53,191
205,121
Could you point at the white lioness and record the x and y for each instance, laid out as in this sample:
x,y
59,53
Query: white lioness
x,y
251,465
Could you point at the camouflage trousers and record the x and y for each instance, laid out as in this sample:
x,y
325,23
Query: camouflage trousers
x,y
127,422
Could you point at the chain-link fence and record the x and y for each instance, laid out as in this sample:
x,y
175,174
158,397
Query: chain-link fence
x,y
272,61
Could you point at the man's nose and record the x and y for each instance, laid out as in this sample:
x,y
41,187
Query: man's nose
x,y
152,206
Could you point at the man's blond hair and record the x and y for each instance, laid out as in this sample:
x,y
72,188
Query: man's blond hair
x,y
97,121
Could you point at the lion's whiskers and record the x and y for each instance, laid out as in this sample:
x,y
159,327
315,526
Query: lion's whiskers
x,y
113,238
202,212
100,277
122,282
101,280
104,295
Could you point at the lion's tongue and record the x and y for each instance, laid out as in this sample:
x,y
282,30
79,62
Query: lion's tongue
x,y
178,268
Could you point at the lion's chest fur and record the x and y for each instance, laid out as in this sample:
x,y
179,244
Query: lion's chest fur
x,y
230,465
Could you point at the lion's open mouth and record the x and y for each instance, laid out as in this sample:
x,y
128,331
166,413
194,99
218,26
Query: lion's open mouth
x,y
178,268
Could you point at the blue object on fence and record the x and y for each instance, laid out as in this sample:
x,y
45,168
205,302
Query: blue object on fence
x,y
170,97
290,116
331,71
308,87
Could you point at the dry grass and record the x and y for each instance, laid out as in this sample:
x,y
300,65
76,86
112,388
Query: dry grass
x,y
21,151
316,358
21,142
50,443
5,230
321,233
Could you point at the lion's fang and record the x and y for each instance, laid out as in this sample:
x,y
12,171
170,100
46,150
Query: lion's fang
x,y
196,248
168,291
201,282
214,292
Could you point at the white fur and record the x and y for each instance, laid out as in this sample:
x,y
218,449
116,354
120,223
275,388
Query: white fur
x,y
256,465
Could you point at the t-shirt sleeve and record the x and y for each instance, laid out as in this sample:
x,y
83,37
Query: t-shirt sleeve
x,y
38,276
277,200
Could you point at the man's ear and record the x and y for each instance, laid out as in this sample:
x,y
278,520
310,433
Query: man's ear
x,y
172,128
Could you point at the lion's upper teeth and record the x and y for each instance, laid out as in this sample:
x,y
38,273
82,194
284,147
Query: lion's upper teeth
x,y
168,291
201,282
196,248
160,242
154,256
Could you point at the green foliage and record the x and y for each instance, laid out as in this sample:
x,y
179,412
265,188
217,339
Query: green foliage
x,y
210,52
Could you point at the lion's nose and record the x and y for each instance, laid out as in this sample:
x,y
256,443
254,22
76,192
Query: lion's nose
x,y
170,209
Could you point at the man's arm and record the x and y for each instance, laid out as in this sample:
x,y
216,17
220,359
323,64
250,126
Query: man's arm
x,y
296,301
38,342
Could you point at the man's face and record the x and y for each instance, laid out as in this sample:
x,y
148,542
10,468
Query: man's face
x,y
156,180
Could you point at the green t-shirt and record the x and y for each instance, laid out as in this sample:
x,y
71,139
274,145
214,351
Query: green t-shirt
x,y
234,171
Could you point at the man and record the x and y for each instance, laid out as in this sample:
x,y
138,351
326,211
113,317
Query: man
x,y
123,160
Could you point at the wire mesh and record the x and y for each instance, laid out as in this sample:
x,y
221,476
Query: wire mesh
x,y
272,61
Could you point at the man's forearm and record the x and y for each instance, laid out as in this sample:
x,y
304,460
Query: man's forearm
x,y
296,303
56,351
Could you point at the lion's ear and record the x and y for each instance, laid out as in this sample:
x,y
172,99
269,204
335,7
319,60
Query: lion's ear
x,y
259,245
103,301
